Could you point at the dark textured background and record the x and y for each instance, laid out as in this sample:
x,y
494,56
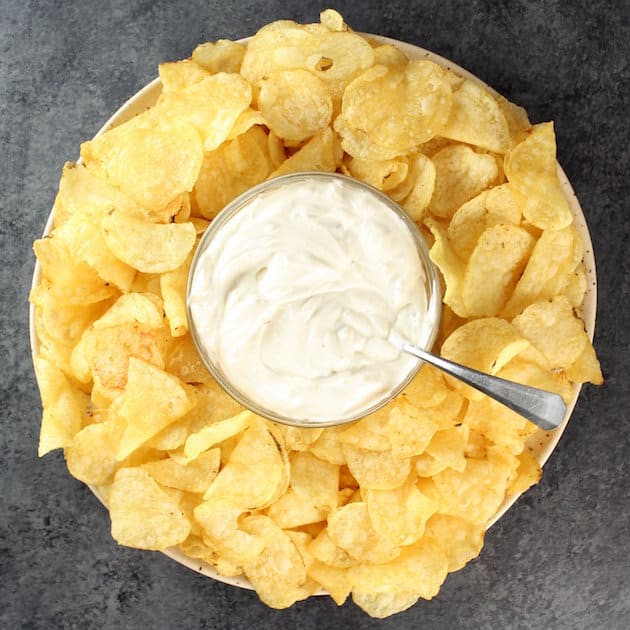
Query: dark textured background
x,y
560,558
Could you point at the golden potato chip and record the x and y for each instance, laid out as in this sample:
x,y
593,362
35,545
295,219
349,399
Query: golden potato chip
x,y
255,474
294,510
532,170
326,551
143,516
476,119
485,345
151,163
332,20
177,75
196,547
82,193
460,174
494,267
212,106
390,56
350,529
245,121
551,258
315,480
555,330
278,572
151,401
69,280
467,224
382,174
144,309
418,97
335,57
321,153
427,388
448,446
215,433
528,473
299,438
64,407
399,515
450,265
295,103
460,539
386,589
173,289
358,144
328,446
220,56
333,579
376,470
575,285
193,477
231,169
516,118
422,179
586,367
148,247
502,206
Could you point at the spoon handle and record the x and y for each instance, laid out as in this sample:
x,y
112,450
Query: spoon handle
x,y
543,408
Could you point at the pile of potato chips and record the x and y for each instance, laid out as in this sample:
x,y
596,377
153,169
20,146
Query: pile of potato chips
x,y
383,508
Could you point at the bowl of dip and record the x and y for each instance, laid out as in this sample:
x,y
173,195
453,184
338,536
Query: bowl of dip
x,y
299,292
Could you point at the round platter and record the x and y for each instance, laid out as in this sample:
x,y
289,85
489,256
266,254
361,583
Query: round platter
x,y
541,444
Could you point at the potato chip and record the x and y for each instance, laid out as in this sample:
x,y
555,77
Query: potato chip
x,y
382,174
376,470
143,516
320,153
555,330
528,473
143,309
390,56
315,480
151,164
299,438
64,407
399,515
460,539
551,258
220,56
278,572
151,401
448,445
255,474
295,103
494,267
215,433
427,388
460,174
476,119
419,99
532,170
212,106
357,143
335,57
350,529
196,547
178,75
485,345
450,265
333,579
467,224
516,118
586,367
69,280
173,289
390,588
193,477
294,510
148,247
422,179
325,550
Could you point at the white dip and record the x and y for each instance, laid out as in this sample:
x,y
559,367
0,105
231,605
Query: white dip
x,y
300,296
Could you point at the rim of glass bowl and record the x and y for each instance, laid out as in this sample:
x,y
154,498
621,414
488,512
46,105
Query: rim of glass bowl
x,y
432,284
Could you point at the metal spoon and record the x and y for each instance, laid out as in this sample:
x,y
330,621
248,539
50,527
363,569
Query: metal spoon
x,y
543,408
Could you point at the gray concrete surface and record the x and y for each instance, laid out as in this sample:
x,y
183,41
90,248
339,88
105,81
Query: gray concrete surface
x,y
560,558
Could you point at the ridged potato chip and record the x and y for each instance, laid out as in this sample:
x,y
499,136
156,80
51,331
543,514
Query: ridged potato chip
x,y
144,516
532,170
460,174
295,103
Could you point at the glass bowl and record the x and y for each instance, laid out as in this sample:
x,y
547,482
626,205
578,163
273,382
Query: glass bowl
x,y
432,289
